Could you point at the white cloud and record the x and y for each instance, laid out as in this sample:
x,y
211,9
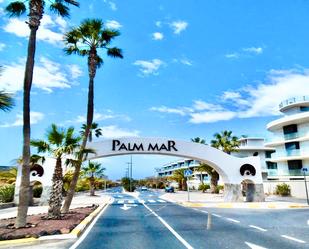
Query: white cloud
x,y
157,36
158,24
254,50
112,24
100,117
113,131
178,26
75,71
232,56
251,101
149,67
46,30
35,117
47,75
165,109
2,46
111,4
211,117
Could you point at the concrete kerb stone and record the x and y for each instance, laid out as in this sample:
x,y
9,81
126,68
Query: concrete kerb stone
x,y
75,233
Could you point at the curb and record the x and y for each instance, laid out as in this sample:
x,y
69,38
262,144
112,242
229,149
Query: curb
x,y
248,206
75,233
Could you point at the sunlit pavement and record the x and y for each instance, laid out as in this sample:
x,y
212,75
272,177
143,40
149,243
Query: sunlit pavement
x,y
147,222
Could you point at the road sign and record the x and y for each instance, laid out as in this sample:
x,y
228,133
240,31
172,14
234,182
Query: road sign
x,y
305,169
188,173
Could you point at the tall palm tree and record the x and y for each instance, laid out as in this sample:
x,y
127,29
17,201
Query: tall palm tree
x,y
179,177
60,142
94,128
92,170
226,142
86,40
35,14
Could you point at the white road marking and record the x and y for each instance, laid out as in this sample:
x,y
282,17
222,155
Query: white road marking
x,y
182,240
217,215
292,238
130,201
204,211
125,207
120,202
84,235
119,196
141,201
236,221
254,246
161,201
151,201
258,228
308,222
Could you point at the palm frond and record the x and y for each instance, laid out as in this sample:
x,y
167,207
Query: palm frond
x,y
107,35
55,135
72,2
16,8
40,145
59,8
6,101
115,52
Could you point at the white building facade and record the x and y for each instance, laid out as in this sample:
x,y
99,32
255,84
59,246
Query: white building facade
x,y
290,138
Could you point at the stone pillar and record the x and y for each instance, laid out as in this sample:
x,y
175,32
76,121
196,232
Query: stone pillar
x,y
259,193
232,193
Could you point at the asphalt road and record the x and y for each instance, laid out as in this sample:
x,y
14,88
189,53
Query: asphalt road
x,y
151,223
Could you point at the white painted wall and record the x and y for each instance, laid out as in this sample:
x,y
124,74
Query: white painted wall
x,y
297,187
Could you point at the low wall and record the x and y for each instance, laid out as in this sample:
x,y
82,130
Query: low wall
x,y
297,187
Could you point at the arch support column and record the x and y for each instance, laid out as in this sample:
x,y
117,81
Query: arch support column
x,y
232,193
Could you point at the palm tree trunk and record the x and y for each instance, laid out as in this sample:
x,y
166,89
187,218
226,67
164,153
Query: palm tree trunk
x,y
214,182
24,195
90,108
55,199
91,186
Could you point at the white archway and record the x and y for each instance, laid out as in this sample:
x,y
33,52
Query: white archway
x,y
233,170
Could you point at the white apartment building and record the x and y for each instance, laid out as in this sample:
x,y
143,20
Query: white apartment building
x,y
290,138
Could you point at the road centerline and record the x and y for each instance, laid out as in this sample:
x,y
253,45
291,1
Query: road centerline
x,y
177,235
233,220
294,239
258,228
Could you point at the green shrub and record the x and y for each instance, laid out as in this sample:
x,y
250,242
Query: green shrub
x,y
37,191
218,188
7,193
283,189
82,185
203,187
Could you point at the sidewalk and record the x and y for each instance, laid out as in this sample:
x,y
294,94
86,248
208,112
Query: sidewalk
x,y
199,199
81,200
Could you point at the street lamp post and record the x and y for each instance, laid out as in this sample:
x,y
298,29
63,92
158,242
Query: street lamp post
x,y
305,170
130,172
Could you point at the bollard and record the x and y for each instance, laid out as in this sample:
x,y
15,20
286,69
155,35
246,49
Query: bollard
x,y
209,221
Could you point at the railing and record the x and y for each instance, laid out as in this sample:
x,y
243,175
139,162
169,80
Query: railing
x,y
289,136
272,172
294,100
295,172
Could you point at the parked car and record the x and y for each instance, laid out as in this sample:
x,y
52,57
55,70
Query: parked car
x,y
144,188
169,189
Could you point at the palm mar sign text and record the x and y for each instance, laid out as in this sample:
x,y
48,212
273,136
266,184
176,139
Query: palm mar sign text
x,y
170,145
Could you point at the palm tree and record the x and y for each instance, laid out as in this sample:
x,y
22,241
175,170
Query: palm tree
x,y
198,140
86,40
179,177
93,169
35,15
214,176
94,128
226,142
60,142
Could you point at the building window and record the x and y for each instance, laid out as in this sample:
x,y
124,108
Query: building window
x,y
292,146
271,165
268,154
289,129
295,164
256,153
304,108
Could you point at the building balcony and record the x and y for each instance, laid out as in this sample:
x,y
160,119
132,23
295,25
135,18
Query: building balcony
x,y
294,154
272,172
291,137
292,102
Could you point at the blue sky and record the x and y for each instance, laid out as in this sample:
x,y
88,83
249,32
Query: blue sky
x,y
190,68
